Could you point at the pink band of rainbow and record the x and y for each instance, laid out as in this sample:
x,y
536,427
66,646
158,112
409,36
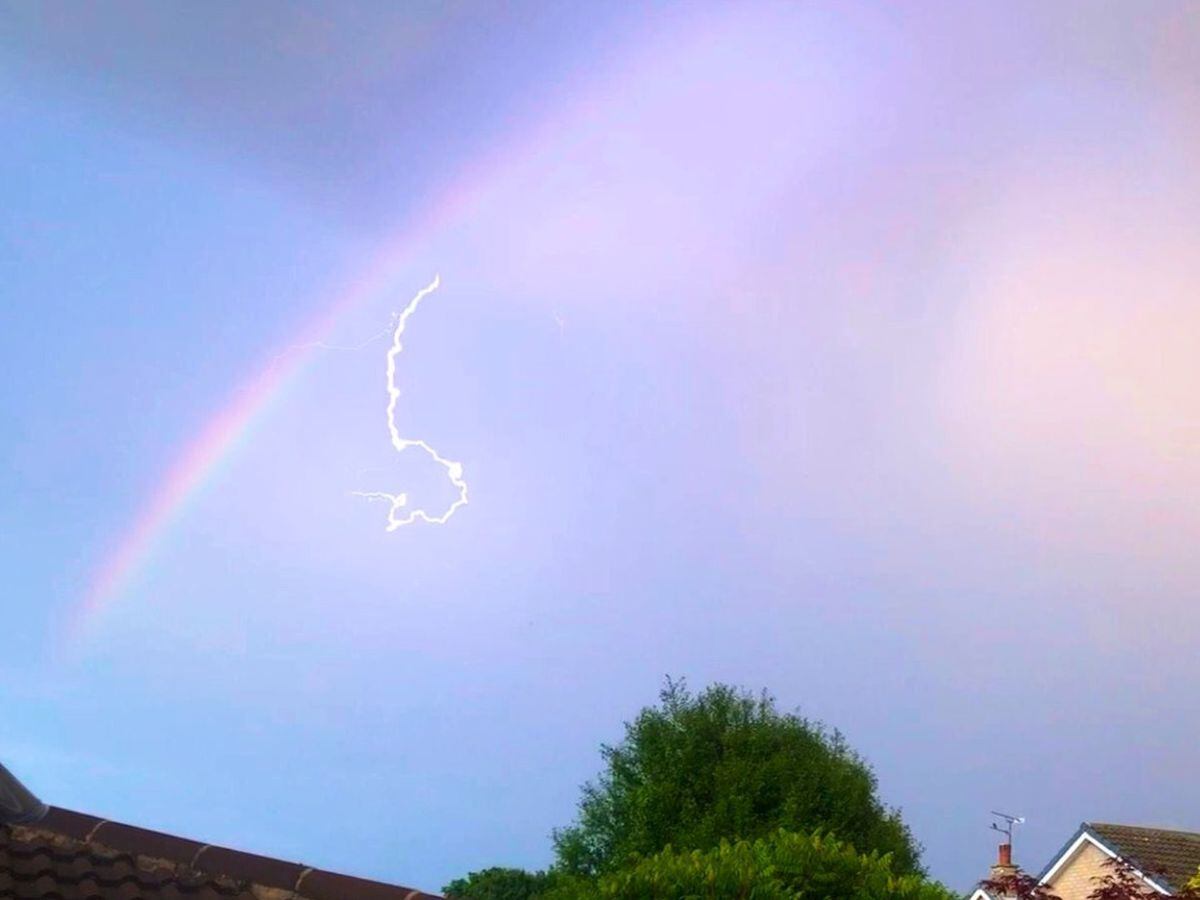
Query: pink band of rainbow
x,y
196,463
220,436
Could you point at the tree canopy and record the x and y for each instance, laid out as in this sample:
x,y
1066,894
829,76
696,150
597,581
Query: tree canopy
x,y
781,866
725,764
1018,886
498,883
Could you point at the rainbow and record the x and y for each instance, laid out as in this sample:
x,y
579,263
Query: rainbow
x,y
194,466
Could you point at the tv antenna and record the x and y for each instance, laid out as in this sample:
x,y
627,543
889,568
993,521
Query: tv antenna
x,y
1007,828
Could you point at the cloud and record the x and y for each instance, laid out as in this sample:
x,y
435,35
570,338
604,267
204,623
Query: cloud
x,y
331,103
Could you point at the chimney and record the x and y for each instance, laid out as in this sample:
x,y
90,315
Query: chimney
x,y
1004,867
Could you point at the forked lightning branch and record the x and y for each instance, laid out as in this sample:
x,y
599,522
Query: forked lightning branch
x,y
399,512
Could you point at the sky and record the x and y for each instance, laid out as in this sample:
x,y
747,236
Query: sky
x,y
843,350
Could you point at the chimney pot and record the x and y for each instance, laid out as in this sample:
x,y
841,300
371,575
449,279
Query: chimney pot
x,y
1004,869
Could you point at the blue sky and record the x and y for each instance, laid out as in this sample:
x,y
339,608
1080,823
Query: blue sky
x,y
846,352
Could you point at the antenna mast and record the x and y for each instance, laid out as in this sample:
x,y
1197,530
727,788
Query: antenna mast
x,y
1007,828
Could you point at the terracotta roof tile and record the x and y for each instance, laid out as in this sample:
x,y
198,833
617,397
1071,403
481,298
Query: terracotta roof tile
x,y
1173,855
250,867
71,856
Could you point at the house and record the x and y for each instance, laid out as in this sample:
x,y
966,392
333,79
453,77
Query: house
x,y
48,853
1164,860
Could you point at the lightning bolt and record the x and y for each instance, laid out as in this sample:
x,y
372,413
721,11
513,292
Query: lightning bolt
x,y
454,470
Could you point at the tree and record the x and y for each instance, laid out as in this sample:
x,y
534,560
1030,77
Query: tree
x,y
1122,882
725,765
781,866
1018,886
498,883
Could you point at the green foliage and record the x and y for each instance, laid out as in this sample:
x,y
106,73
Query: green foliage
x,y
782,866
498,883
725,765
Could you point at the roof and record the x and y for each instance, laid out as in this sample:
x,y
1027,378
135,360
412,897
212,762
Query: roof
x,y
1172,855
71,856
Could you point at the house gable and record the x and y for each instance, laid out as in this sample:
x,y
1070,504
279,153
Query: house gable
x,y
1079,867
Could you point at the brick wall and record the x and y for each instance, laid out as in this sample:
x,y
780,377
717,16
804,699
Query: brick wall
x,y
1078,878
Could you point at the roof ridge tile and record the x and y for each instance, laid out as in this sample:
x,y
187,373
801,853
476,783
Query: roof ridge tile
x,y
167,863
